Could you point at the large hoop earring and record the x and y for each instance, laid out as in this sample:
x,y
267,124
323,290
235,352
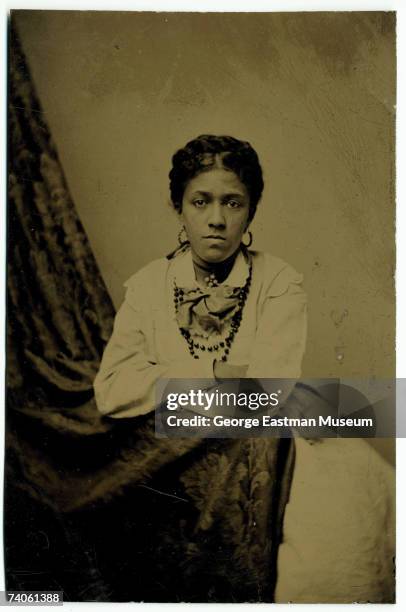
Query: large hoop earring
x,y
180,239
250,240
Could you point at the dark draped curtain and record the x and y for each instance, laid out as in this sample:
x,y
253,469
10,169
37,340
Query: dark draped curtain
x,y
101,509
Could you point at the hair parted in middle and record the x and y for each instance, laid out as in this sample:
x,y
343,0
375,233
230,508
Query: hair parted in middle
x,y
205,152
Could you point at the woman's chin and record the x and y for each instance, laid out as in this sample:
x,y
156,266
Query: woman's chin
x,y
215,255
214,258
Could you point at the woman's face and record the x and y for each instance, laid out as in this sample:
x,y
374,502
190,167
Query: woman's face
x,y
215,210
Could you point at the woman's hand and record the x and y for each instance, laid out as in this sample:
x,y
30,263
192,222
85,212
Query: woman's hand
x,y
222,369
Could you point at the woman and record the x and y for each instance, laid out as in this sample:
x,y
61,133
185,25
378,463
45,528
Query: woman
x,y
216,309
239,313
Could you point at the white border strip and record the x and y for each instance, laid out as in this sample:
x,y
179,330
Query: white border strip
x,y
239,6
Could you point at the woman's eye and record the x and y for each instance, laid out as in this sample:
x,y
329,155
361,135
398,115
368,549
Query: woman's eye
x,y
233,204
199,203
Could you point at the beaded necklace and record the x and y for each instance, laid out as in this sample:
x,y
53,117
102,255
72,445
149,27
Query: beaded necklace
x,y
222,348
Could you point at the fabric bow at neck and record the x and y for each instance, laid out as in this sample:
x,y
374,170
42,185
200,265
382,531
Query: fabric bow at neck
x,y
204,311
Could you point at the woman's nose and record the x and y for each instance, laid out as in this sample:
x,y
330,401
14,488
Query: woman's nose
x,y
216,217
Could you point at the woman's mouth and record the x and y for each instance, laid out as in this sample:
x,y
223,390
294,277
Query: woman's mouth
x,y
213,237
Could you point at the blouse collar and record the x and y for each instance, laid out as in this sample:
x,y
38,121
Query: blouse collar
x,y
184,273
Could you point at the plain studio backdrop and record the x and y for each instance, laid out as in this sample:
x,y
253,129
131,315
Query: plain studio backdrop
x,y
314,93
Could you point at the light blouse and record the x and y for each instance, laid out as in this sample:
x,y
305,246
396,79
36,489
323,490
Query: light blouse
x,y
146,344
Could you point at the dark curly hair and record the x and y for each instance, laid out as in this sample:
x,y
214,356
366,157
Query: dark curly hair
x,y
202,153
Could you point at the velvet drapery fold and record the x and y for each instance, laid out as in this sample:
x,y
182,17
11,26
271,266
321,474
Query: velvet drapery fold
x,y
99,509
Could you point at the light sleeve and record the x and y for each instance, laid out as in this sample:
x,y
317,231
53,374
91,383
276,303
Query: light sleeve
x,y
281,330
125,385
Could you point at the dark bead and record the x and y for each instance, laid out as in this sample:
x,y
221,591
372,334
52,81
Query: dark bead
x,y
226,351
209,349
221,344
224,358
203,347
196,356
